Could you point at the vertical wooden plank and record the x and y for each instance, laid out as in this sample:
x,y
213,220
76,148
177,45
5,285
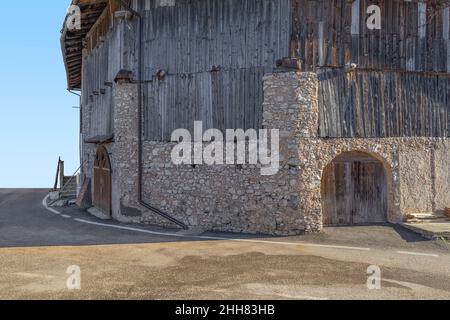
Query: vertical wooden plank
x,y
446,34
356,17
321,43
421,34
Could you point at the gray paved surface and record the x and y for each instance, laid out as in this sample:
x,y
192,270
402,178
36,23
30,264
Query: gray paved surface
x,y
37,246
25,222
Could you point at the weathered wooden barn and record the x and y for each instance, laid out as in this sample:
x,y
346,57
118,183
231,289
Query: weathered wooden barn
x,y
364,113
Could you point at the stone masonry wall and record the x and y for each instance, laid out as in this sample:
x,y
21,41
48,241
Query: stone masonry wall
x,y
125,159
125,150
441,156
417,168
239,199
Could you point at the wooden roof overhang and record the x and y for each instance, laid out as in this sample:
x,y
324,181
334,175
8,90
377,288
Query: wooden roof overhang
x,y
72,40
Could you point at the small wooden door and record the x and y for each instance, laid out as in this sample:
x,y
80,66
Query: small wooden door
x,y
354,192
102,181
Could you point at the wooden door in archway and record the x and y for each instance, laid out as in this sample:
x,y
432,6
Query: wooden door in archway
x,y
354,191
102,181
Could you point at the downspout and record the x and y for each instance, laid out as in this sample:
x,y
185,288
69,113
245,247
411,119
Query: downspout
x,y
80,135
140,142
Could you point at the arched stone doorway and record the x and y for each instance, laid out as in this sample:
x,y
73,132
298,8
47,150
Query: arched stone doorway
x,y
354,190
102,198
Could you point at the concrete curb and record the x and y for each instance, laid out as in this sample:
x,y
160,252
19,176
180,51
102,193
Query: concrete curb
x,y
98,214
427,234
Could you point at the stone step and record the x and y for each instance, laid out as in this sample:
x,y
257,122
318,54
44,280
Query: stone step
x,y
98,214
430,231
426,218
418,221
69,191
68,196
69,180
70,186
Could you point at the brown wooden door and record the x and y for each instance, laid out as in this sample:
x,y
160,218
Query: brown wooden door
x,y
102,181
354,192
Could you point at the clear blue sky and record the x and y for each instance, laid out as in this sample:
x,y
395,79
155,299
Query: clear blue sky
x,y
37,121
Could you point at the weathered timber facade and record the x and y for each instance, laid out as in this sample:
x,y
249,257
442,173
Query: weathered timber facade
x,y
378,92
371,104
413,34
215,53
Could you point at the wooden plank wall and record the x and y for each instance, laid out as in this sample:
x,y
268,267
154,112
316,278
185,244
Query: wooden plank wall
x,y
383,104
215,54
414,34
354,192
222,100
100,66
195,35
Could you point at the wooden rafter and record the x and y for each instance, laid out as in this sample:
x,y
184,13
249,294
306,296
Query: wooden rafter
x,y
72,41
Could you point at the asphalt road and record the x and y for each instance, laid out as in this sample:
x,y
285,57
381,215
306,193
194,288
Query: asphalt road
x,y
24,222
117,261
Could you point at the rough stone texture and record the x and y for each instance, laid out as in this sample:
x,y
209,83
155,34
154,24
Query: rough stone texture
x,y
417,180
225,198
124,159
442,175
410,182
88,150
239,199
416,185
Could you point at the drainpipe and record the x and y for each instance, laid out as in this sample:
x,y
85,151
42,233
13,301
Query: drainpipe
x,y
80,135
140,108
